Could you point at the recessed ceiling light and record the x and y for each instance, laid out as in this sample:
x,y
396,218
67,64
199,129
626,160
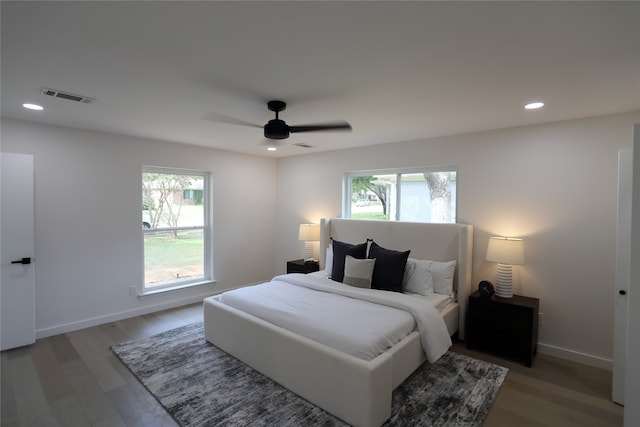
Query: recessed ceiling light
x,y
272,149
33,107
534,105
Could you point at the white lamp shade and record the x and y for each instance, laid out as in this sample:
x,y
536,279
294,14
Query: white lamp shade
x,y
309,232
505,250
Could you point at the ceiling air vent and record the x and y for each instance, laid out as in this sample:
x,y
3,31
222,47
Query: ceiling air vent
x,y
69,96
303,145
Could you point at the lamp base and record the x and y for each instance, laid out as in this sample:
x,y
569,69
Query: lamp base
x,y
504,284
308,251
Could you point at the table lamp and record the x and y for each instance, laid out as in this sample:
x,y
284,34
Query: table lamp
x,y
506,251
309,233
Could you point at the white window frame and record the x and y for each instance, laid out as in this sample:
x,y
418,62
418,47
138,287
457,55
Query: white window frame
x,y
347,192
207,230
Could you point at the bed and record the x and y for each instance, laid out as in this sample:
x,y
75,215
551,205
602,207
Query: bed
x,y
353,389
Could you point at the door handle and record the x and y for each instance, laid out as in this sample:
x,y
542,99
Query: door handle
x,y
22,261
622,292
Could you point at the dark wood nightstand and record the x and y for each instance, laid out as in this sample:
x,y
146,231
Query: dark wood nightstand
x,y
299,266
507,327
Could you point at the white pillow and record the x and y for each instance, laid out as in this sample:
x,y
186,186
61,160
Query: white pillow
x,y
443,276
328,261
417,279
358,272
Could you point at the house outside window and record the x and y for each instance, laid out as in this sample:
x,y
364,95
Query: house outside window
x,y
417,195
176,228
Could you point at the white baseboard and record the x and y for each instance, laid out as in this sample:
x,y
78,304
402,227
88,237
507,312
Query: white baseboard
x,y
575,356
95,321
151,308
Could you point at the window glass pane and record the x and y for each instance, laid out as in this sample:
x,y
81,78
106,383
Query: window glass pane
x,y
443,195
373,196
174,222
170,200
428,196
171,257
414,204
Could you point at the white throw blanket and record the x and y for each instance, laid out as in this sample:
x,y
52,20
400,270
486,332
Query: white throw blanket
x,y
433,332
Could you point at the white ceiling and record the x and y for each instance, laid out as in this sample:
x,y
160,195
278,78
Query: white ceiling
x,y
396,71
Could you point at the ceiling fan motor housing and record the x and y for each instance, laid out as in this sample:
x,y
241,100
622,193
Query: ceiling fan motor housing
x,y
276,129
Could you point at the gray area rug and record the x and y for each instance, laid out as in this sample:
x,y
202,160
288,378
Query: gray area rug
x,y
200,385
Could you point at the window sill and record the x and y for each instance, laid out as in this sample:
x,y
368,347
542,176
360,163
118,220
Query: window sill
x,y
151,292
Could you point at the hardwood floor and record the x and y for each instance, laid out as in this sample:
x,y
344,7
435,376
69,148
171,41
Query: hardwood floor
x,y
553,392
74,380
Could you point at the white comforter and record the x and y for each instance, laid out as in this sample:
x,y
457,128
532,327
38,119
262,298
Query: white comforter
x,y
352,324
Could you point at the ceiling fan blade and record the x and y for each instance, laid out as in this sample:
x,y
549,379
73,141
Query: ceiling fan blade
x,y
342,125
221,118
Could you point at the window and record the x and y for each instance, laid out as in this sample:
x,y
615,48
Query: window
x,y
418,195
176,228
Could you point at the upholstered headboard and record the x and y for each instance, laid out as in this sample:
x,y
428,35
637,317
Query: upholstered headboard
x,y
438,242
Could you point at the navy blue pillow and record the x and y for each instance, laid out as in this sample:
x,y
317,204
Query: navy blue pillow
x,y
340,251
389,269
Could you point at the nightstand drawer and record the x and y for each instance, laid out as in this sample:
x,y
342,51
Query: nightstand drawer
x,y
502,317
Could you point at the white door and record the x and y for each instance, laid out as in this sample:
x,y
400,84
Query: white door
x,y
623,268
632,369
17,246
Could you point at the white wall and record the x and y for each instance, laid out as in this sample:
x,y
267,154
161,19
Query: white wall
x,y
555,185
88,233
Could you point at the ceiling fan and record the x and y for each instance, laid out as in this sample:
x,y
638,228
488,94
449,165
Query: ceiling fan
x,y
279,129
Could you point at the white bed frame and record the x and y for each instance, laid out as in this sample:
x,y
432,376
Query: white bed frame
x,y
352,389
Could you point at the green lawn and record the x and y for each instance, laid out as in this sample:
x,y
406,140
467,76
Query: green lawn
x,y
168,258
370,215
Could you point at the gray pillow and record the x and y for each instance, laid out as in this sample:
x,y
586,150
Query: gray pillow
x,y
358,272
